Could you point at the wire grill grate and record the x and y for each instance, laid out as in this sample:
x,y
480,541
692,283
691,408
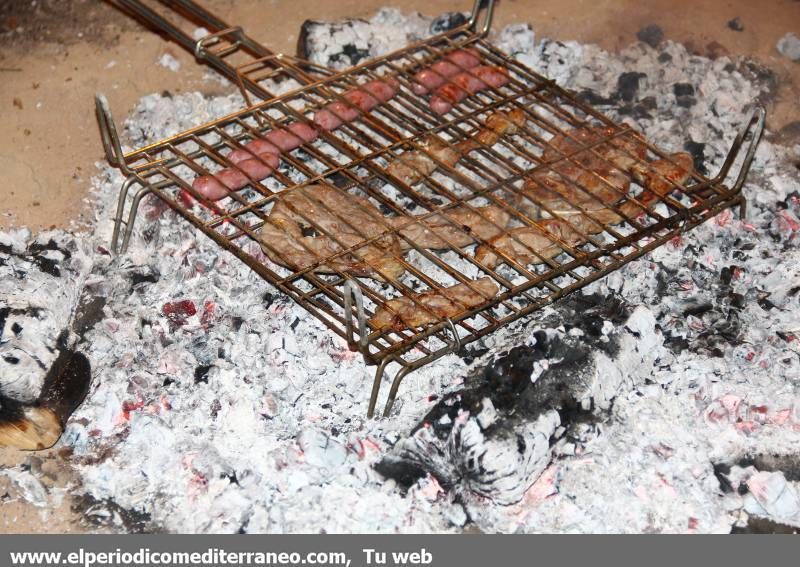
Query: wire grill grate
x,y
357,159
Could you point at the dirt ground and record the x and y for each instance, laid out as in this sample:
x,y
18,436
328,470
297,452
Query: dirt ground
x,y
56,54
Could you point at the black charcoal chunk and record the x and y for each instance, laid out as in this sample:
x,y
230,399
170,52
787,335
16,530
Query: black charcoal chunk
x,y
652,35
628,85
736,24
447,21
697,149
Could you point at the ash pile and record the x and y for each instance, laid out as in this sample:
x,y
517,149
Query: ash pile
x,y
662,398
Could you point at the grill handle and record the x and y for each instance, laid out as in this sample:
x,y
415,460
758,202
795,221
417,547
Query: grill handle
x,y
481,27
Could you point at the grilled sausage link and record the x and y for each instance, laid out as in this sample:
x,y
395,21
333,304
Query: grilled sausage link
x,y
436,75
465,84
356,101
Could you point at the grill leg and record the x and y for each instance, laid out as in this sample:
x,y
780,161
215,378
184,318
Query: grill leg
x,y
137,198
402,373
376,387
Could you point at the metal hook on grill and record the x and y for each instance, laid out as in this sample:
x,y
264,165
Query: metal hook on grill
x,y
108,134
200,48
482,5
456,338
116,248
351,290
758,115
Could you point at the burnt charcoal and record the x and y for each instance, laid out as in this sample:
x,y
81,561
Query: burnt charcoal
x,y
789,465
514,407
469,353
649,103
696,307
697,149
105,513
684,94
236,322
447,21
52,245
721,471
46,265
756,525
405,473
591,97
764,302
791,198
88,314
652,35
66,383
664,57
737,300
269,299
294,324
736,24
628,85
148,275
201,374
354,54
634,110
302,49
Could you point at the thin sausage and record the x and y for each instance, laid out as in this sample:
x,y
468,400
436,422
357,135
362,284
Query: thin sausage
x,y
356,101
277,141
218,185
464,84
437,74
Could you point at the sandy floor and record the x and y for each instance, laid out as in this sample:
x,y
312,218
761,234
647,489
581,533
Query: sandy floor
x,y
57,55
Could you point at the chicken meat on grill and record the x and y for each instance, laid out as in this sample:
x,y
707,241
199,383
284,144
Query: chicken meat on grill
x,y
459,227
432,306
552,236
317,226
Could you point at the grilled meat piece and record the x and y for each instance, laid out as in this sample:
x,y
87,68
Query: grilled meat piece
x,y
411,167
461,226
432,306
533,245
528,244
309,225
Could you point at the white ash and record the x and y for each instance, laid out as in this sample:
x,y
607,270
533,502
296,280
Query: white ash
x,y
789,46
168,61
41,280
249,416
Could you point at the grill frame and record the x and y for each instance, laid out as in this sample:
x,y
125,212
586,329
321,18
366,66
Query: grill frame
x,y
368,141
